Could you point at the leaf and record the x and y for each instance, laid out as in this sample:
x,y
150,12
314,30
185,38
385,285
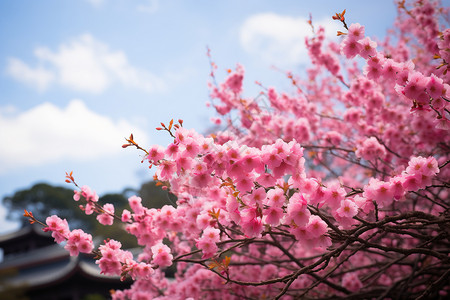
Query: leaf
x,y
226,261
213,265
214,214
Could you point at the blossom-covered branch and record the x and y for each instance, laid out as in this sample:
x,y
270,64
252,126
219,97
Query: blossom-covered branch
x,y
336,189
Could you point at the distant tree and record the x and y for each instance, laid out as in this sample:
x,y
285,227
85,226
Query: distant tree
x,y
45,200
154,196
94,297
119,201
11,292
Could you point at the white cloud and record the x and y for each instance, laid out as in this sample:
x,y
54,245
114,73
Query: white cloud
x,y
280,40
85,64
96,3
46,134
145,6
39,77
150,6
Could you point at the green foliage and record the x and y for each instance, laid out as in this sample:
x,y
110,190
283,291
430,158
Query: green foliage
x,y
94,297
154,196
10,292
119,201
44,200
117,232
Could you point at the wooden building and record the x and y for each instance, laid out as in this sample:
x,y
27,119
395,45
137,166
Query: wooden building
x,y
34,267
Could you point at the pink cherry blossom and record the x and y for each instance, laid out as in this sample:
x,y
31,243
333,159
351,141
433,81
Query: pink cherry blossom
x,y
126,215
297,210
106,218
371,149
161,255
351,282
275,197
212,234
416,85
368,48
435,87
316,227
208,247
136,204
58,227
155,153
347,209
272,215
356,31
389,70
79,241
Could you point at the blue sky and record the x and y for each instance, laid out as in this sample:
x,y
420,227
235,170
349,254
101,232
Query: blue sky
x,y
78,76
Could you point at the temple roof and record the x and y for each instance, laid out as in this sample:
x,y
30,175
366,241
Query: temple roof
x,y
56,272
36,261
21,233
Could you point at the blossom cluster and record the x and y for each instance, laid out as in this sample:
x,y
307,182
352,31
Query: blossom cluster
x,y
77,240
424,92
339,188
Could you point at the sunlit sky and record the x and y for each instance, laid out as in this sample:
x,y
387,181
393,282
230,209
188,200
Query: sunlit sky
x,y
78,76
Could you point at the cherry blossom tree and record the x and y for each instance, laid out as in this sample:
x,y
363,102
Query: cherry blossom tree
x,y
336,189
